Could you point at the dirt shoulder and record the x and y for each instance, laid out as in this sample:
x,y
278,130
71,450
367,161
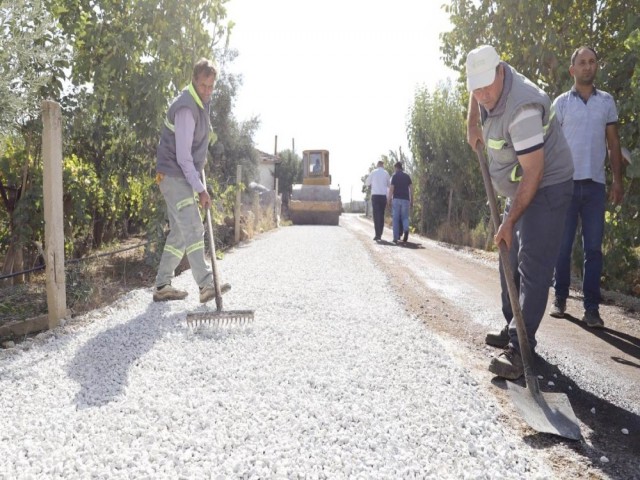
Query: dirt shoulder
x,y
456,294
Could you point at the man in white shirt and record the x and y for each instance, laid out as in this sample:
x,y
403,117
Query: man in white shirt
x,y
378,180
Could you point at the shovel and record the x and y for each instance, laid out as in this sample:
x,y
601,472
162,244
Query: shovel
x,y
543,411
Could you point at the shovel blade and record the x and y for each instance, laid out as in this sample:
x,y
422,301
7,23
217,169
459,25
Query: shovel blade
x,y
546,412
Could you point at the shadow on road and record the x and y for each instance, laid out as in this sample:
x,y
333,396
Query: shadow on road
x,y
102,365
412,245
622,341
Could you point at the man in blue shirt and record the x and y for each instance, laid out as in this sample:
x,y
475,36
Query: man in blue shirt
x,y
589,121
400,199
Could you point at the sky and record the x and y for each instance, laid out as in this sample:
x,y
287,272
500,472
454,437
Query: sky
x,y
338,75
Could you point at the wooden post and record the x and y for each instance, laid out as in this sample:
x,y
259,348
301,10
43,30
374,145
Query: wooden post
x,y
238,206
53,213
275,206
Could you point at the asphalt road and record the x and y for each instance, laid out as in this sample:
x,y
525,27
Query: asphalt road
x,y
457,294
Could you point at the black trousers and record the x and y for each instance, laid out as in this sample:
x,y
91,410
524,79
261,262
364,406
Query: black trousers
x,y
379,203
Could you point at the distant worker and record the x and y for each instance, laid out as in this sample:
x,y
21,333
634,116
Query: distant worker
x,y
589,120
317,167
530,164
400,198
181,156
378,180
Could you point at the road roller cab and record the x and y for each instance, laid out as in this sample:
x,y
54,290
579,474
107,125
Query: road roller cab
x,y
315,201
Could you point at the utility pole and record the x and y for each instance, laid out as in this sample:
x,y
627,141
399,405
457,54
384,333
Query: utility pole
x,y
275,165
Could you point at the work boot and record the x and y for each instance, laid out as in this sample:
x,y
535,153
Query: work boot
x,y
558,308
167,292
406,236
208,292
508,364
498,339
592,319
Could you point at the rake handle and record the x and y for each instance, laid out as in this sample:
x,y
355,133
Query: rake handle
x,y
212,246
523,339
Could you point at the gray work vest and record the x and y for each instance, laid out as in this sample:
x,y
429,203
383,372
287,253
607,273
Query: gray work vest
x,y
503,162
167,162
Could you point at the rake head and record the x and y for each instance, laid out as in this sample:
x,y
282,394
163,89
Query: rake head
x,y
220,319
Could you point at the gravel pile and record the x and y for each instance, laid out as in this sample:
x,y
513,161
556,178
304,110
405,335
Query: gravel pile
x,y
333,380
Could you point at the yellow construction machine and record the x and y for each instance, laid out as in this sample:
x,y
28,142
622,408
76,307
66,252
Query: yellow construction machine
x,y
315,201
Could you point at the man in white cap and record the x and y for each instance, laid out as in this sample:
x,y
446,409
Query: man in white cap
x,y
530,164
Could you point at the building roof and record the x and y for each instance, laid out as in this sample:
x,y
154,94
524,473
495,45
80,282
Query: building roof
x,y
268,159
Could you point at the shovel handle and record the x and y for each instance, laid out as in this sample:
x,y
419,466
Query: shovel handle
x,y
212,246
523,339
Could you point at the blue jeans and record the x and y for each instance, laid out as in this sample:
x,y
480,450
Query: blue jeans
x,y
400,215
588,204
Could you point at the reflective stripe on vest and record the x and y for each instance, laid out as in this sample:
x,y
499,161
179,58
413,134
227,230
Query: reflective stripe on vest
x,y
196,98
516,175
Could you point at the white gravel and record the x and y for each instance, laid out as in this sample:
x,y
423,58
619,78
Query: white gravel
x,y
333,380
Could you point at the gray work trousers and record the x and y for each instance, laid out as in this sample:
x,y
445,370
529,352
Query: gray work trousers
x,y
186,233
533,254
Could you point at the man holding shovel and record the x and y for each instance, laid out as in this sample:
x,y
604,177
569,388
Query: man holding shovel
x,y
529,163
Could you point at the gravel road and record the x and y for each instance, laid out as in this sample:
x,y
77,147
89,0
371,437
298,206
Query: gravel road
x,y
365,361
335,379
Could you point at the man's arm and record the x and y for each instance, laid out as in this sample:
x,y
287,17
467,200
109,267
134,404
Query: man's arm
x,y
185,126
616,195
474,132
367,182
390,194
532,171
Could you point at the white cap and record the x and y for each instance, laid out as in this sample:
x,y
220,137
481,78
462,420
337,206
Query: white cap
x,y
481,67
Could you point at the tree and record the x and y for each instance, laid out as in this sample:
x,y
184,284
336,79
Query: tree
x,y
130,58
289,172
448,191
32,57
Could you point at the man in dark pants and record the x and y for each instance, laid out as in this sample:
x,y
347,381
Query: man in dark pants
x,y
530,164
589,120
378,180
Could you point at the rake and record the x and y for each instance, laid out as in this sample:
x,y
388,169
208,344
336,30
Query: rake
x,y
217,318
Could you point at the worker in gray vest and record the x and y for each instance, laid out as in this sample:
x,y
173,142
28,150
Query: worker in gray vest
x,y
530,164
181,156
